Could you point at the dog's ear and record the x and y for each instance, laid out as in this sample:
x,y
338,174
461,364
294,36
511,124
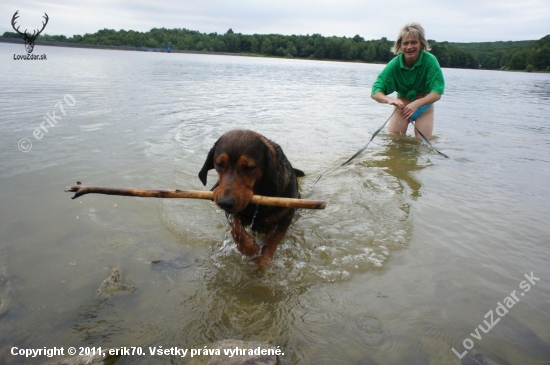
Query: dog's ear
x,y
208,165
299,173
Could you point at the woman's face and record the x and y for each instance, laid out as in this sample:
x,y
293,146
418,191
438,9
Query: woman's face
x,y
410,46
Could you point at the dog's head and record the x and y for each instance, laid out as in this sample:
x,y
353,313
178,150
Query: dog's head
x,y
243,160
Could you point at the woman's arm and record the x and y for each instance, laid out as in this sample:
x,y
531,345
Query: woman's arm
x,y
384,99
428,99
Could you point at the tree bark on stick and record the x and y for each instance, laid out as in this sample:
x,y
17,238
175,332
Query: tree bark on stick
x,y
80,190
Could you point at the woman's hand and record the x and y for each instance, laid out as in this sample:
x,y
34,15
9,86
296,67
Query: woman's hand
x,y
398,104
408,110
381,98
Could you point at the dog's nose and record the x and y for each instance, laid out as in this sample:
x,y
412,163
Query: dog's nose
x,y
226,204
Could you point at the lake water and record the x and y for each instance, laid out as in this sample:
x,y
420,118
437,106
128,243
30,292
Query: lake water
x,y
411,253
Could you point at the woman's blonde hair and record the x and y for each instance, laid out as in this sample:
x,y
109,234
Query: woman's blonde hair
x,y
414,29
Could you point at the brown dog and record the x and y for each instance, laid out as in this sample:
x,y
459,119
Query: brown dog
x,y
249,164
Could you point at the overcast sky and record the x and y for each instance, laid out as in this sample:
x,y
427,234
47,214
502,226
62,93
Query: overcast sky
x,y
454,21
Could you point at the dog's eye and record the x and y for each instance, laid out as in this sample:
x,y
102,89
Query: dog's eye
x,y
219,166
249,168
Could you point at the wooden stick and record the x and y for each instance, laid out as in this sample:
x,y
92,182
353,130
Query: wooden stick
x,y
80,190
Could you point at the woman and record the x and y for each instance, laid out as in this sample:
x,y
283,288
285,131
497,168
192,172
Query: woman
x,y
416,76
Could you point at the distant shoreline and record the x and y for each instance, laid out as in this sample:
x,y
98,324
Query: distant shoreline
x,y
114,48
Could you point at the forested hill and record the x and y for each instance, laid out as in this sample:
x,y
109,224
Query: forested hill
x,y
522,55
477,47
490,54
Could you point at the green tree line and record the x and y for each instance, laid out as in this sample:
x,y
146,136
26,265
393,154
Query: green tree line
x,y
524,55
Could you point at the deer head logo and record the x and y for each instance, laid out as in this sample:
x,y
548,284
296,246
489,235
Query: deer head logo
x,y
29,39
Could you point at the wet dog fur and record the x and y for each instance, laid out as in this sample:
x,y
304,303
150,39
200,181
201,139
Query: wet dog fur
x,y
249,164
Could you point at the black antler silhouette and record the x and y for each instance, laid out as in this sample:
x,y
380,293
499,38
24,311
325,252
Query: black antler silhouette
x,y
29,39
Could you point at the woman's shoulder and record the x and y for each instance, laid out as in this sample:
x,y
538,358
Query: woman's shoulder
x,y
394,62
396,58
429,56
431,60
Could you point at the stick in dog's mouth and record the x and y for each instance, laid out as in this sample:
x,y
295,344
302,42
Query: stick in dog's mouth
x,y
80,190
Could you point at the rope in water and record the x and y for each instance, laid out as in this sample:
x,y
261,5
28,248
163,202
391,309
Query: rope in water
x,y
365,147
352,157
427,141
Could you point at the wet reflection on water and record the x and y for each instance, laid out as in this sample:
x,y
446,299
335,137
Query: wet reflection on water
x,y
402,157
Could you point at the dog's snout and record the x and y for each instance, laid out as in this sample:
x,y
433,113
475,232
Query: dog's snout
x,y
226,204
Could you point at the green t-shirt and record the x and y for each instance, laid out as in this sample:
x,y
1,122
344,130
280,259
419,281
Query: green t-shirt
x,y
423,78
